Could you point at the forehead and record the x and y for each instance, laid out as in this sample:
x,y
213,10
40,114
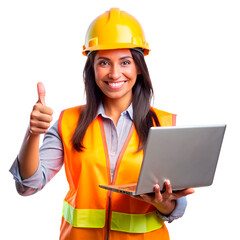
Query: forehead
x,y
114,53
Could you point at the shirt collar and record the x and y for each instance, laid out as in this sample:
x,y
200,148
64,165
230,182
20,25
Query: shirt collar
x,y
128,111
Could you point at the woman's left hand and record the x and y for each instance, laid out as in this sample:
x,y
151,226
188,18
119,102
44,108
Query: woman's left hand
x,y
164,202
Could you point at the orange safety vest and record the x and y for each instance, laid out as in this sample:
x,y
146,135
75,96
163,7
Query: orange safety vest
x,y
90,212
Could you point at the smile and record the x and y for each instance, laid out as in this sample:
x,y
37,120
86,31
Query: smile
x,y
115,85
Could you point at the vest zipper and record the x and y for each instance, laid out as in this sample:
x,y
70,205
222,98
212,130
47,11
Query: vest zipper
x,y
108,216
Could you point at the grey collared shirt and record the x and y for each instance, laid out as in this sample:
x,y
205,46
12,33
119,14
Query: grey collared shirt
x,y
52,157
116,135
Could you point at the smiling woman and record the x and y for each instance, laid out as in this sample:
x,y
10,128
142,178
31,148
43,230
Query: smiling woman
x,y
102,141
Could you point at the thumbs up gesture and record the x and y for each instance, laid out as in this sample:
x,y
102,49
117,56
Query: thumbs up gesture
x,y
41,115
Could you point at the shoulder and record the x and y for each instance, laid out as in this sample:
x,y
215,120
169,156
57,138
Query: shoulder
x,y
71,111
165,118
68,118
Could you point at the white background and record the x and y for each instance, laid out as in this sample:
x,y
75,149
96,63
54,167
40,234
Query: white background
x,y
195,69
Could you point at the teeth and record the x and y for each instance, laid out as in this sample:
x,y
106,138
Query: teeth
x,y
116,84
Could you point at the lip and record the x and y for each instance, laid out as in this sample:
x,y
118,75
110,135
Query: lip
x,y
115,85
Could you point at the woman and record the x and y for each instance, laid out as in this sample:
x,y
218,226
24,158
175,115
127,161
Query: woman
x,y
102,142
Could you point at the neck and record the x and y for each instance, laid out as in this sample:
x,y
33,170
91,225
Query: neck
x,y
114,108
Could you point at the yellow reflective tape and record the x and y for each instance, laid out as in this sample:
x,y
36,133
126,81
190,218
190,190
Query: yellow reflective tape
x,y
85,218
135,223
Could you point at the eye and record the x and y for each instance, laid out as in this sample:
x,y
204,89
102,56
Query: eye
x,y
126,62
104,63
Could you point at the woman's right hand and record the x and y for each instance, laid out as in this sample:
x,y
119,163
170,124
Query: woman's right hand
x,y
40,119
41,115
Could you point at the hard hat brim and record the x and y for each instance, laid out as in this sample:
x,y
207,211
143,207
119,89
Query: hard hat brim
x,y
124,46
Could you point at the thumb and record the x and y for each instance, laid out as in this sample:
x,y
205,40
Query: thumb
x,y
41,93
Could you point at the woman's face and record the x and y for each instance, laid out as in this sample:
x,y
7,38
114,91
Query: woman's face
x,y
115,73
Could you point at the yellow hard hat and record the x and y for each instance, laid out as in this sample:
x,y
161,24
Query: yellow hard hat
x,y
115,29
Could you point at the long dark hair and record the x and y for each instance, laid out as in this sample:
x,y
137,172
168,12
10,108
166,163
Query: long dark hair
x,y
143,116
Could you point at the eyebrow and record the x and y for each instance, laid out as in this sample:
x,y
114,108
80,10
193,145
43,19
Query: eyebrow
x,y
122,58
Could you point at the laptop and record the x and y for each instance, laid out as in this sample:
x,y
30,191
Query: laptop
x,y
187,156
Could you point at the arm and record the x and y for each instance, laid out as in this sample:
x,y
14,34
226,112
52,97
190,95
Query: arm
x,y
40,120
178,212
50,162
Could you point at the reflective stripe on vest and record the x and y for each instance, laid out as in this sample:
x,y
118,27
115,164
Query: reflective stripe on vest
x,y
124,222
135,223
87,218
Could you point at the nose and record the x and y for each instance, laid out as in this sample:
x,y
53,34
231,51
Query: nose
x,y
115,72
